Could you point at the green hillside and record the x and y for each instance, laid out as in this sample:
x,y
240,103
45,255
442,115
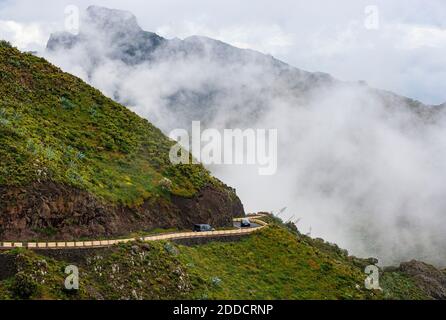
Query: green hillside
x,y
75,163
273,263
54,126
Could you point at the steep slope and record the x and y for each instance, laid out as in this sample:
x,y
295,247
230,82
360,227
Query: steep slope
x,y
76,164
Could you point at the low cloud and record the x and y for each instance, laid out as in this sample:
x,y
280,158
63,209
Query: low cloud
x,y
360,170
28,36
269,39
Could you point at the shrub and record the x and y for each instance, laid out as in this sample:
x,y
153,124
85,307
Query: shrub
x,y
67,104
5,44
24,286
216,281
165,184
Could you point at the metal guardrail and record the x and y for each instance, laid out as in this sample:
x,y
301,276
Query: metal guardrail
x,y
107,243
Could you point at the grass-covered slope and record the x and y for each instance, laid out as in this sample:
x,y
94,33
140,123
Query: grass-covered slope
x,y
54,126
271,264
274,263
56,129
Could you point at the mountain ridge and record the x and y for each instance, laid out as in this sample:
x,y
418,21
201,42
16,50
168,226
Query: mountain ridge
x,y
135,46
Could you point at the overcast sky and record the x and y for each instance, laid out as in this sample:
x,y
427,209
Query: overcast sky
x,y
404,53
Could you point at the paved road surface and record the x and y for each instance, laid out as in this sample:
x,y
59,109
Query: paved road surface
x,y
253,225
256,224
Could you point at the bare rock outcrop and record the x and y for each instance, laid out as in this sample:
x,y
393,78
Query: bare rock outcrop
x,y
428,278
54,211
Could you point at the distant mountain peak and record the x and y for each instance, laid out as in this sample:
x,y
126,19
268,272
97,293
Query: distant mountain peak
x,y
116,30
110,20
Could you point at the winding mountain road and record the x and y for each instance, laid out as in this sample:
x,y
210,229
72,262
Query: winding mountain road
x,y
256,224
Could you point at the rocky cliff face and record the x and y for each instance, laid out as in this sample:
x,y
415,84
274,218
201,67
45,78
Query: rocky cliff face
x,y
429,279
108,33
54,211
